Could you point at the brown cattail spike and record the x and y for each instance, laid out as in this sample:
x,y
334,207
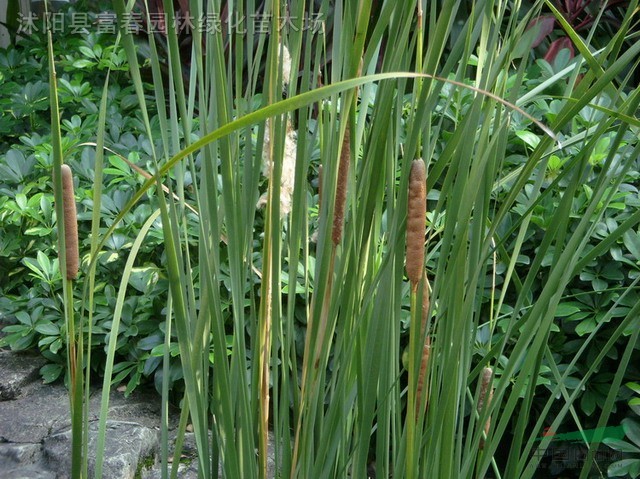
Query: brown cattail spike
x,y
341,189
484,401
70,223
416,227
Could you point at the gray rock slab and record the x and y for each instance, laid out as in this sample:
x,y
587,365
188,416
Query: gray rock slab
x,y
185,471
141,407
126,445
40,409
16,371
27,472
23,461
19,454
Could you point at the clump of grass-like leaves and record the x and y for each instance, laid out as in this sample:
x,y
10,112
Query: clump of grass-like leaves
x,y
348,402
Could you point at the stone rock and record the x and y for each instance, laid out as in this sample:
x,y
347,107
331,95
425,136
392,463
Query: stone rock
x,y
19,453
126,445
31,417
17,370
185,471
22,461
27,472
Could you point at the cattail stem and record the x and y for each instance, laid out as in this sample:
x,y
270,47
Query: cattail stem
x,y
320,175
416,227
484,401
412,396
419,68
70,223
341,189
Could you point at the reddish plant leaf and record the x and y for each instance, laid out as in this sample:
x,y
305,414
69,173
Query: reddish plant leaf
x,y
184,6
545,25
556,46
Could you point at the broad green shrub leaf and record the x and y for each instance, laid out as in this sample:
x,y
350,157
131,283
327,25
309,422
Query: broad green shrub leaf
x,y
586,327
632,430
632,242
588,403
48,328
624,467
51,372
529,138
621,446
635,387
567,309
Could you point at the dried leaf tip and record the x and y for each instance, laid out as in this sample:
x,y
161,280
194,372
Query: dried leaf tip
x,y
287,178
416,227
486,377
70,223
286,65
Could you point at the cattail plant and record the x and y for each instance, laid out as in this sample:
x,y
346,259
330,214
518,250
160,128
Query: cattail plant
x,y
341,189
336,237
416,211
351,414
68,233
70,223
75,347
271,265
416,229
484,401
